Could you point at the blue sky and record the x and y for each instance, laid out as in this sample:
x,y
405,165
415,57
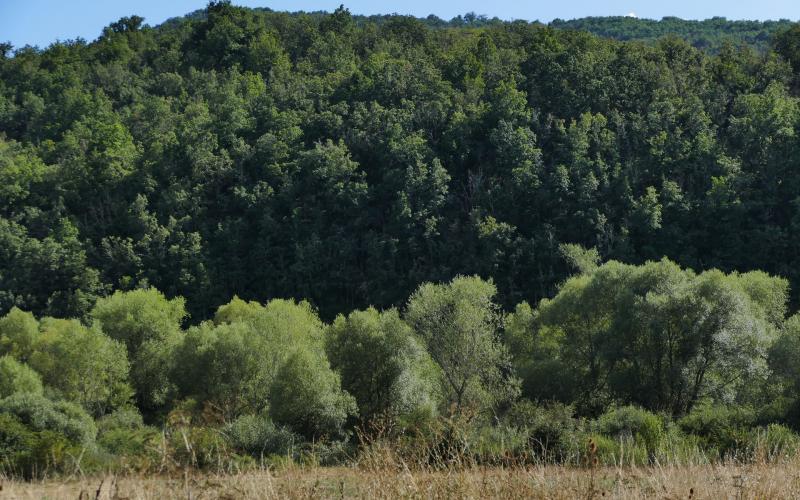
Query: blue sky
x,y
40,22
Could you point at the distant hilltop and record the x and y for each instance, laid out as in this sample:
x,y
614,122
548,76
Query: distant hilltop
x,y
708,34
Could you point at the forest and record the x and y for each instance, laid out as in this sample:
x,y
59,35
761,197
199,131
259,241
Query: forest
x,y
244,238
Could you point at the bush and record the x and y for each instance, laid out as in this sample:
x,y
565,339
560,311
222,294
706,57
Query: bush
x,y
632,424
774,442
148,324
204,448
29,453
609,451
124,435
17,377
551,430
16,443
497,444
124,418
258,436
40,414
225,365
721,429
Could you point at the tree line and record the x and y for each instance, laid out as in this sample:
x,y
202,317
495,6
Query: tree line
x,y
661,354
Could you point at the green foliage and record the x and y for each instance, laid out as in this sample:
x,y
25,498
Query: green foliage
x,y
19,332
653,335
29,453
347,159
82,364
259,437
21,171
200,447
787,44
307,397
583,260
774,442
786,375
354,161
722,429
17,377
41,414
123,418
124,435
709,34
47,274
148,324
633,423
383,364
459,324
233,362
551,430
226,366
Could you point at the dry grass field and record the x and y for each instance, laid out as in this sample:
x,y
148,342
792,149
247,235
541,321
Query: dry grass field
x,y
710,481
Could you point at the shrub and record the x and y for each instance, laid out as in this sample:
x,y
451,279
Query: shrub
x,y
459,323
774,442
16,443
608,450
224,365
551,430
29,453
127,417
258,436
138,449
632,423
722,429
17,377
202,447
148,324
124,435
497,444
41,414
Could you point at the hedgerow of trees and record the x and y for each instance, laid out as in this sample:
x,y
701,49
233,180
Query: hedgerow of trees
x,y
669,358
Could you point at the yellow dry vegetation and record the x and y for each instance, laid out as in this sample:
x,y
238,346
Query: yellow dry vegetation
x,y
758,481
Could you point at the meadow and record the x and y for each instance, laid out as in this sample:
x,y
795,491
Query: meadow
x,y
763,481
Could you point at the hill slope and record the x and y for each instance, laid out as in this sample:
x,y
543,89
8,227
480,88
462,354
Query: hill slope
x,y
346,160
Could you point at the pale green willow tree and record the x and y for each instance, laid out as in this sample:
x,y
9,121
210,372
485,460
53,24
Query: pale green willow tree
x,y
224,365
82,364
383,364
653,335
148,324
460,324
307,397
235,364
283,325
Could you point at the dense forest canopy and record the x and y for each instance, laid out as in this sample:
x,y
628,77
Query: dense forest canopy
x,y
268,154
265,232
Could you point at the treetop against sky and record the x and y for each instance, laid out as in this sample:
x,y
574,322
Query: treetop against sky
x,y
41,22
